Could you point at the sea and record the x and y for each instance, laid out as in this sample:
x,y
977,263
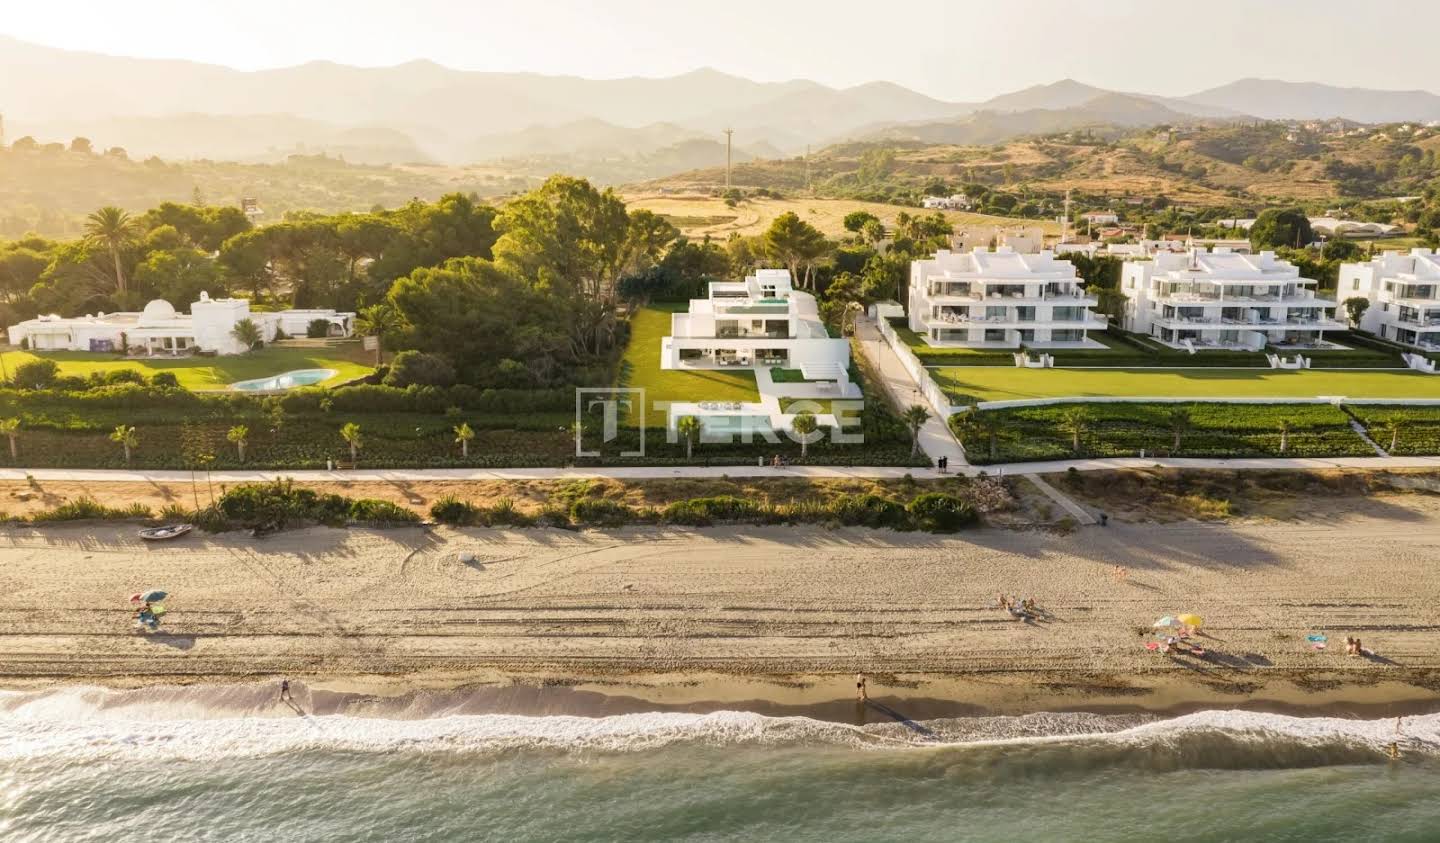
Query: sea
x,y
186,764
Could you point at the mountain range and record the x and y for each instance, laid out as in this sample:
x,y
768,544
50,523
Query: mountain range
x,y
423,112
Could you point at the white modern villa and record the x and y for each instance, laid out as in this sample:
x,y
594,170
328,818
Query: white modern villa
x,y
1001,299
1404,293
1210,300
160,329
759,324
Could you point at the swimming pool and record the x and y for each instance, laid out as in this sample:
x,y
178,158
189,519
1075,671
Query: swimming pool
x,y
284,380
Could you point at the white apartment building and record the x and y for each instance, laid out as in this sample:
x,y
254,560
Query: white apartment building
x,y
760,322
1204,300
160,329
1001,299
1404,293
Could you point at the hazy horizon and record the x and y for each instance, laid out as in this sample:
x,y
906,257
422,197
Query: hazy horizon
x,y
960,52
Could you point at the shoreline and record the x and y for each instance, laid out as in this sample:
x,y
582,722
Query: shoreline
x,y
900,699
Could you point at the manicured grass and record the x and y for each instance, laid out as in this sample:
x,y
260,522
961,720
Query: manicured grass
x,y
349,360
640,367
780,375
964,384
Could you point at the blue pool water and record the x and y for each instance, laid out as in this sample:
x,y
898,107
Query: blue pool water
x,y
284,380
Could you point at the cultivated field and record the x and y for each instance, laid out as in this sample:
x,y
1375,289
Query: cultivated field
x,y
698,216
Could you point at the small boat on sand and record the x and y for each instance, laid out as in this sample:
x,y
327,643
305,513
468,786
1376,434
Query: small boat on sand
x,y
169,531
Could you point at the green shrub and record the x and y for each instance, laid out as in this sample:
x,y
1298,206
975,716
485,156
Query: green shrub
x,y
941,513
88,509
869,511
455,512
36,374
279,504
505,514
317,329
601,512
698,512
165,380
372,511
420,368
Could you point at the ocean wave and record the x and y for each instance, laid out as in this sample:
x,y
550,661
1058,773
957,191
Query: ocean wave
x,y
94,724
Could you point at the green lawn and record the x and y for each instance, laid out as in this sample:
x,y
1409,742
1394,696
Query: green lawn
x,y
640,367
964,384
349,361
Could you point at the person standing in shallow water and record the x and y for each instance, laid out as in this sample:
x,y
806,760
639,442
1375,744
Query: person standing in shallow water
x,y
860,693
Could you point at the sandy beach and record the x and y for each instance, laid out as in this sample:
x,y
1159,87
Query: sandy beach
x,y
778,618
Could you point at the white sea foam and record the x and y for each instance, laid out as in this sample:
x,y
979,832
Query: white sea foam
x,y
94,724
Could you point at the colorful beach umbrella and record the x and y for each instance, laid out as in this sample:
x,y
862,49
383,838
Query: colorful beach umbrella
x,y
1191,620
1169,622
148,596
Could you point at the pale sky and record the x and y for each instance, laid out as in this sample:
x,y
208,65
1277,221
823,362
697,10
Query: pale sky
x,y
957,50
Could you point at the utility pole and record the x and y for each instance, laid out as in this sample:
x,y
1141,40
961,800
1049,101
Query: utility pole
x,y
728,134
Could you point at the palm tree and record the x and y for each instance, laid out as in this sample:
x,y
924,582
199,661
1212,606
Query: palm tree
x,y
1284,434
804,424
10,428
351,434
1392,426
114,229
463,435
914,418
1179,421
689,429
989,424
376,321
125,436
1075,421
240,435
247,333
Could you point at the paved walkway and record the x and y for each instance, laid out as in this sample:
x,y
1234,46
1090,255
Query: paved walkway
x,y
935,438
1078,512
411,475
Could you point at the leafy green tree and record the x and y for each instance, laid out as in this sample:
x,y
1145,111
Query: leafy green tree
x,y
1355,308
1276,227
797,244
10,429
915,417
247,333
178,276
689,428
463,435
244,261
115,230
855,221
239,436
805,424
420,368
350,432
1284,434
126,438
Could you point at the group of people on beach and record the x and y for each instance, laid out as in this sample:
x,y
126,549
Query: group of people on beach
x,y
1353,646
1023,610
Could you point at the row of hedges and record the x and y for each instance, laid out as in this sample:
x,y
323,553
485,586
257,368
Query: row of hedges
x,y
1124,429
933,512
1413,430
277,505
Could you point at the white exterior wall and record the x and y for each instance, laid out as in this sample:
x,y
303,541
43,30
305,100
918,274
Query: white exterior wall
x,y
1223,299
214,320
1403,289
999,299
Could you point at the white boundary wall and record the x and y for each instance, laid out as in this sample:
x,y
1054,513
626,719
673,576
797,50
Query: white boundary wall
x,y
939,402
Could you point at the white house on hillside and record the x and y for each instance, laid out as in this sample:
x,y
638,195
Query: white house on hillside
x,y
1404,293
759,322
1221,299
1001,299
160,329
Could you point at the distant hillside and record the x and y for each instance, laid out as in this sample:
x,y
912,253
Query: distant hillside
x,y
1277,100
1103,112
1217,164
50,191
250,137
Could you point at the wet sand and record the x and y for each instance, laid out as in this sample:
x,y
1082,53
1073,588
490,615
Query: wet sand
x,y
765,617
